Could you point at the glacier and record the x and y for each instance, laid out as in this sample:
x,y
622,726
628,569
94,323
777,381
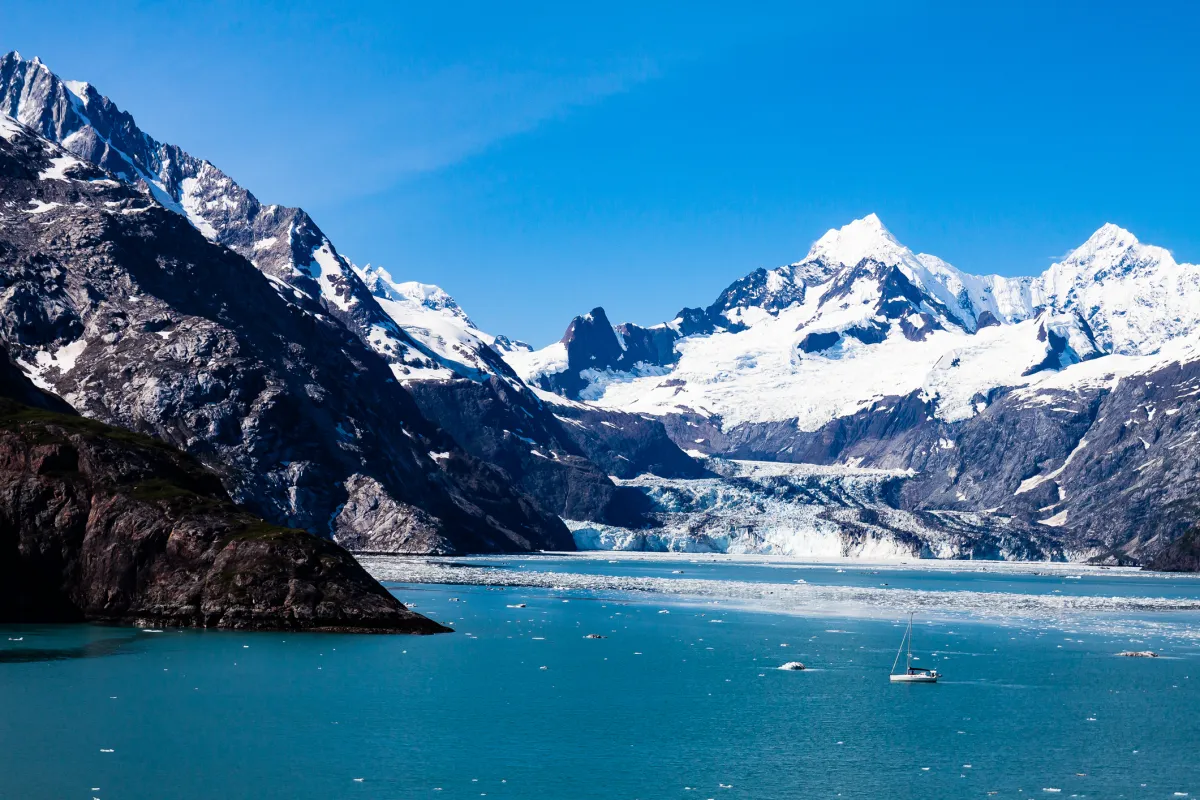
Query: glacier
x,y
808,511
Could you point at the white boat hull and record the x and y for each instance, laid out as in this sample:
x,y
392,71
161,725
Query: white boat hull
x,y
911,674
914,678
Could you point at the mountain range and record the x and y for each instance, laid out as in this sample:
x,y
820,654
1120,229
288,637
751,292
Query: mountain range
x,y
1063,401
864,400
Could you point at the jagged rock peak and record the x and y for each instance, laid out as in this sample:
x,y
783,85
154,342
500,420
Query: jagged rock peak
x,y
595,319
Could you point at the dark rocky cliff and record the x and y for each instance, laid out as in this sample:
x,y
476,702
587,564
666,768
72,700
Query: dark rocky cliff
x,y
516,432
102,524
1182,555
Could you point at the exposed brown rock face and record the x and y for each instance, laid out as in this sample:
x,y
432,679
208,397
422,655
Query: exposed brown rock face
x,y
97,523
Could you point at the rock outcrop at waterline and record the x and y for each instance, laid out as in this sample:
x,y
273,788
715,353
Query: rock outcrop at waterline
x,y
101,524
1182,555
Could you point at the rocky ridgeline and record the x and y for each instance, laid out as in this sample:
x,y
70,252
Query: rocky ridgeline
x,y
1062,406
461,382
125,310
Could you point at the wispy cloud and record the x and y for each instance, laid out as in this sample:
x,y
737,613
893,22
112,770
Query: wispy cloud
x,y
421,122
445,117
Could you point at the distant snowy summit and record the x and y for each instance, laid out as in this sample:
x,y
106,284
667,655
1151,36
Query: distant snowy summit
x,y
862,317
433,318
1033,416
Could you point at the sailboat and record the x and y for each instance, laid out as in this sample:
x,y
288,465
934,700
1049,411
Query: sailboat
x,y
911,674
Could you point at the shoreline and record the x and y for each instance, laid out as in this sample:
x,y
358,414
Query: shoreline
x,y
1004,607
791,562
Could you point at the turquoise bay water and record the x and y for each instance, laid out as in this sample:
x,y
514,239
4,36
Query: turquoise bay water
x,y
686,704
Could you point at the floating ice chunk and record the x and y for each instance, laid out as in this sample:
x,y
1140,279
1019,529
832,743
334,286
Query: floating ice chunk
x,y
794,666
788,597
1138,654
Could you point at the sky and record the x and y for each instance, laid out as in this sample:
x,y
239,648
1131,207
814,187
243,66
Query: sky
x,y
538,160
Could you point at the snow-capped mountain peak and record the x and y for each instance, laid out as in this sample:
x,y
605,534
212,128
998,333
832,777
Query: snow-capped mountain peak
x,y
1111,245
964,300
1108,237
284,243
863,238
764,293
1133,295
79,89
867,261
435,298
438,324
864,317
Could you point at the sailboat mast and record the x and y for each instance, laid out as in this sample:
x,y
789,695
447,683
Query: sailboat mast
x,y
900,649
910,619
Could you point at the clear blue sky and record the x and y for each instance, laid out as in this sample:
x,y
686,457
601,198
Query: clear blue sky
x,y
539,160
